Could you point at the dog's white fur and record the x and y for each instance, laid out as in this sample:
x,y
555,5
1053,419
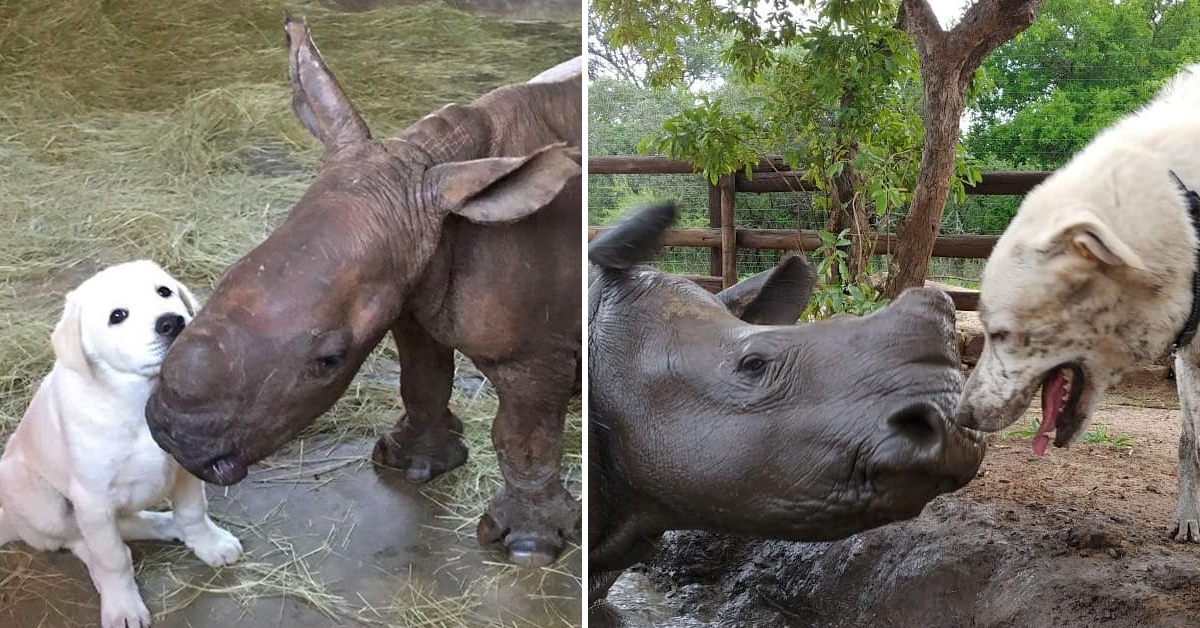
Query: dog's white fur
x,y
1096,268
82,466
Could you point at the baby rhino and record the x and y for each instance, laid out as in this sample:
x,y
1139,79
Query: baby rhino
x,y
720,413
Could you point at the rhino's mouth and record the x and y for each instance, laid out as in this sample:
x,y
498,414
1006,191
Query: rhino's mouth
x,y
1062,391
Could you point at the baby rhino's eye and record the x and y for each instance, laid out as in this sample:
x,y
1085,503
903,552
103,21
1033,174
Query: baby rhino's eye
x,y
164,292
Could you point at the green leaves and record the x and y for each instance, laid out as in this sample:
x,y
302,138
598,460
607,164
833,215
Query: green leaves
x,y
711,138
1078,68
832,295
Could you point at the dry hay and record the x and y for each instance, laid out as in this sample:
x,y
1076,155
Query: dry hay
x,y
134,129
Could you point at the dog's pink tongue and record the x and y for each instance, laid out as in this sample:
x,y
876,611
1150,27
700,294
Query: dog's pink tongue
x,y
1052,406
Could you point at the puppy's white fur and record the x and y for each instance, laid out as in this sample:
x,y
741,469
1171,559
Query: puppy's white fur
x,y
82,466
1096,269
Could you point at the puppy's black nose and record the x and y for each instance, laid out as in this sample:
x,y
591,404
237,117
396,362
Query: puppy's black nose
x,y
169,325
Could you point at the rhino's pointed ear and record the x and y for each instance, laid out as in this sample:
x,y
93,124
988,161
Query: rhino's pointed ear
x,y
773,297
635,239
67,338
317,99
503,189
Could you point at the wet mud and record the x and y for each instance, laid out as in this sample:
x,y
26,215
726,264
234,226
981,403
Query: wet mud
x,y
331,542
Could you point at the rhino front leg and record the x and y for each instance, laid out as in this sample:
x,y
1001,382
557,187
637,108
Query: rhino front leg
x,y
532,517
427,441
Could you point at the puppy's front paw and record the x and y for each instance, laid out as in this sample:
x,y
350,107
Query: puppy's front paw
x,y
124,611
216,547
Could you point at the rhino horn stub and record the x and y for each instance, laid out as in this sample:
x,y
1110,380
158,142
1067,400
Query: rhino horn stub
x,y
317,100
634,239
773,297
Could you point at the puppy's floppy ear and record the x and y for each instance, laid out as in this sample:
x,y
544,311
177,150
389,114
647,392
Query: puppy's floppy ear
x,y
190,303
68,337
1089,239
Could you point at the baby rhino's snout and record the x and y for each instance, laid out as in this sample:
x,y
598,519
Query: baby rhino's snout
x,y
169,325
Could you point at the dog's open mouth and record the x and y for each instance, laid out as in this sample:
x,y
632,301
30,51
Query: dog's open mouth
x,y
1062,389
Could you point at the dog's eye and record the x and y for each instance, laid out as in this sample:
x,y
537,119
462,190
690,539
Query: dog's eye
x,y
164,292
117,316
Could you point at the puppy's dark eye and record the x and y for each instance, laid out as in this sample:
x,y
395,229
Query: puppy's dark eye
x,y
116,317
164,292
752,364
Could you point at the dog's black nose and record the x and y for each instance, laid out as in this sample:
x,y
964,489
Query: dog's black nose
x,y
169,325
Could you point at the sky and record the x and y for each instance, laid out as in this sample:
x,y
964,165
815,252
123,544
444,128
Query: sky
x,y
948,11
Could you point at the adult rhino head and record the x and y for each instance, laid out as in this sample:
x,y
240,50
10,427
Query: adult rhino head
x,y
718,412
289,324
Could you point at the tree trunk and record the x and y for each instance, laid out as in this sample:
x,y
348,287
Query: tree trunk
x,y
948,59
853,210
917,231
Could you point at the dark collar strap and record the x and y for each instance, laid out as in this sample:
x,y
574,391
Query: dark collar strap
x,y
1189,328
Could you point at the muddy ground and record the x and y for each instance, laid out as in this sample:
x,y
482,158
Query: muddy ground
x,y
331,542
1077,538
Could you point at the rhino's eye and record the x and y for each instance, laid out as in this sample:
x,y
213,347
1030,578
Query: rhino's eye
x,y
327,364
330,361
752,364
998,336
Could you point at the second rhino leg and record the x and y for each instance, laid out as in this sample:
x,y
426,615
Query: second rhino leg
x,y
532,516
427,441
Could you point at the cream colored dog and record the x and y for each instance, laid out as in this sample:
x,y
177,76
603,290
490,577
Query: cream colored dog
x,y
1095,276
81,466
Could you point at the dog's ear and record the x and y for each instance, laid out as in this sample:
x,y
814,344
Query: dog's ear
x,y
1090,240
190,303
68,337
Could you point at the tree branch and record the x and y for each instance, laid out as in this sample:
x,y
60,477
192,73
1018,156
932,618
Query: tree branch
x,y
988,24
918,20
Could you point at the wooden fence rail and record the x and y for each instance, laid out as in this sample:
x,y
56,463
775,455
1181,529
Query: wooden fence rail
x,y
723,238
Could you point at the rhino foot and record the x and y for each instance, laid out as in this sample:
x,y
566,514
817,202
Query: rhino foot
x,y
530,531
423,452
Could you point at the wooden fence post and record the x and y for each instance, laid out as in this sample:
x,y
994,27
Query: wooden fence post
x,y
714,222
771,176
726,191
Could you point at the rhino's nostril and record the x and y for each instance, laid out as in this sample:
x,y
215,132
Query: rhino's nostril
x,y
920,424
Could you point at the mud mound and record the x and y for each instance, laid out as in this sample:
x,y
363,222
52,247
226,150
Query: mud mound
x,y
962,563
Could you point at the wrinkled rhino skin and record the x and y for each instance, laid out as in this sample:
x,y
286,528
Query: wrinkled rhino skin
x,y
460,233
717,412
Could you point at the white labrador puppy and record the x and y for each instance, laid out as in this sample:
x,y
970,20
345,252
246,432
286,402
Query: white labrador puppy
x,y
81,466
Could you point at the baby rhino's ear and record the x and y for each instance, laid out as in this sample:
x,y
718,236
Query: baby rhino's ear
x,y
68,337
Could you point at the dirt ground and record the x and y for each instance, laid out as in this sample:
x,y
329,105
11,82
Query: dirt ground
x,y
1077,538
331,542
